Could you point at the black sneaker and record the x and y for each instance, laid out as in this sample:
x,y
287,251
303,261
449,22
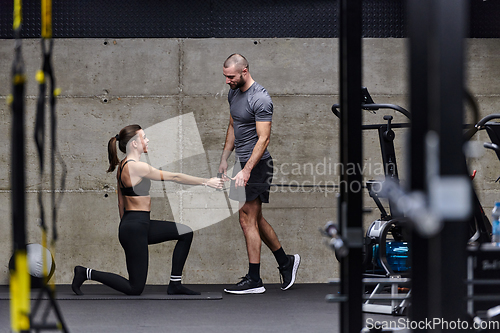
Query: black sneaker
x,y
247,286
288,273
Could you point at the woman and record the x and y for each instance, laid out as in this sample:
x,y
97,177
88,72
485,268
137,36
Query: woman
x,y
136,230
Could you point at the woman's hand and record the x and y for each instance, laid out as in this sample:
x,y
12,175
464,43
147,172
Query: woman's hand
x,y
215,182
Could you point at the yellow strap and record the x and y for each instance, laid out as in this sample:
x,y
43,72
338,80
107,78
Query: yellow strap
x,y
40,76
46,18
20,293
18,14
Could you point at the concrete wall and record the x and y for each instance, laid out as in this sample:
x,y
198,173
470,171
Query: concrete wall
x,y
175,83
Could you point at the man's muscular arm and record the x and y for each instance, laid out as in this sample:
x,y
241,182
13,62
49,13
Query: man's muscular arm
x,y
264,133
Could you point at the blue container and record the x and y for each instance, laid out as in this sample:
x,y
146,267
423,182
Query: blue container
x,y
397,254
495,223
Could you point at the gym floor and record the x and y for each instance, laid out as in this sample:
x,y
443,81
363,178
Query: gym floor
x,y
301,309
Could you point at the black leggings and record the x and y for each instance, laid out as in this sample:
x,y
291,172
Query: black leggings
x,y
136,232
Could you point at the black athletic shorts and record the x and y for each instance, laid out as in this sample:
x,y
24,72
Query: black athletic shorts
x,y
257,186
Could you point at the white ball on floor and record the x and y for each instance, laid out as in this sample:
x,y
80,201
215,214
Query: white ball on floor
x,y
35,260
35,263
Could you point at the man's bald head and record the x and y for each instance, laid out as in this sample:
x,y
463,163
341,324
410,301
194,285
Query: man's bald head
x,y
237,60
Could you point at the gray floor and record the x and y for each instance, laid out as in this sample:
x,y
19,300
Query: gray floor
x,y
301,309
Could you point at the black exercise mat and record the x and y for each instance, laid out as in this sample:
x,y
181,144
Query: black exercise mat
x,y
99,292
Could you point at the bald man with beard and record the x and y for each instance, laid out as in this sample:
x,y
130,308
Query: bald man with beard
x,y
248,134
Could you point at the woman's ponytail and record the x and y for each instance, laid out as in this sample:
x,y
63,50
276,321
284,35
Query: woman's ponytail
x,y
126,134
112,154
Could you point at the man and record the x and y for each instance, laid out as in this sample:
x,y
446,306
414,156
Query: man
x,y
248,133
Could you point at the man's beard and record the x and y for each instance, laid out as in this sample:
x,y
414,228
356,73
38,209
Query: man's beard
x,y
238,85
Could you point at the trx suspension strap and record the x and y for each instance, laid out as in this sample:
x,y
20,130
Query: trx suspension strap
x,y
19,277
44,76
41,77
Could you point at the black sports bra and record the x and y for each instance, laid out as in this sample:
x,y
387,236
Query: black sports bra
x,y
141,189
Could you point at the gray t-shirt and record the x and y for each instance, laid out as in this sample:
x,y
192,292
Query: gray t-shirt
x,y
246,108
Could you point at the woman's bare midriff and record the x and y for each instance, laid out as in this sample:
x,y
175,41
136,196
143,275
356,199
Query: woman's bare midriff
x,y
138,203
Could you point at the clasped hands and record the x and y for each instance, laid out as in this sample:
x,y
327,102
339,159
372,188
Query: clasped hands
x,y
240,180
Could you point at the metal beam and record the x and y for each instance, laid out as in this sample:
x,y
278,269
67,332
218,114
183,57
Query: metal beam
x,y
419,31
437,29
447,88
351,200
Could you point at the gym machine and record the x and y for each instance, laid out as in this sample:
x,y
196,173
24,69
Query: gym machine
x,y
385,250
483,284
436,136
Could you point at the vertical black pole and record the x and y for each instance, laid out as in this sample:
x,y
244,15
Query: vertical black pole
x,y
448,86
419,30
437,32
351,155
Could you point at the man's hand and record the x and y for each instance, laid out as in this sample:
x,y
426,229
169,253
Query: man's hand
x,y
241,178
